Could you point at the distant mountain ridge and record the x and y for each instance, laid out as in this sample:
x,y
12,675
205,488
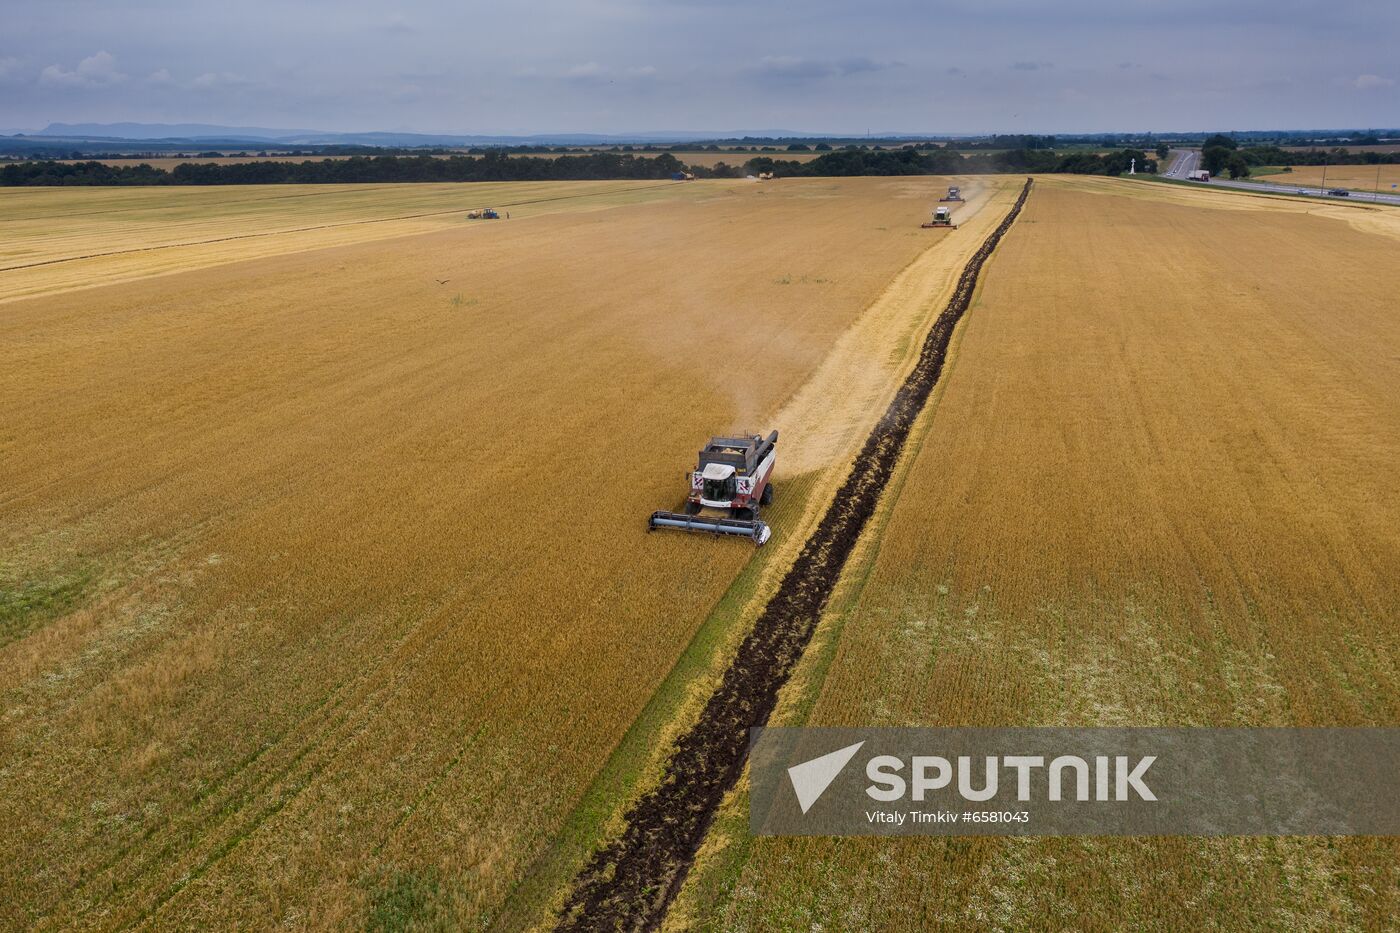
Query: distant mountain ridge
x,y
166,131
209,132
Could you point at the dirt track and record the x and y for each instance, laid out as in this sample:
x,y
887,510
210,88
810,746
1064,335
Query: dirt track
x,y
629,883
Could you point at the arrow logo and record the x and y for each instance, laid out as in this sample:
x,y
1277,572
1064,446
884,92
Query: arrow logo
x,y
811,778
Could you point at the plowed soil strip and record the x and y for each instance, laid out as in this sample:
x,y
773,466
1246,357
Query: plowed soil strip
x,y
628,884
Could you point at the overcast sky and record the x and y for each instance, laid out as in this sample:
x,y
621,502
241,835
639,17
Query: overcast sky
x,y
627,65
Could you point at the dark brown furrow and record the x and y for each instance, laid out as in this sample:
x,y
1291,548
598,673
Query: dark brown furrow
x,y
629,883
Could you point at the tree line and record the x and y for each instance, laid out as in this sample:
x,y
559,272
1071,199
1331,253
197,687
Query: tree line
x,y
946,162
1221,154
495,165
492,166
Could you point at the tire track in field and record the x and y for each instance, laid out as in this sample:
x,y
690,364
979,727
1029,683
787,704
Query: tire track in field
x,y
345,223
630,882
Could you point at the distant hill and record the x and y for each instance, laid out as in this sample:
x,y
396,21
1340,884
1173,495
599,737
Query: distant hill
x,y
208,132
166,131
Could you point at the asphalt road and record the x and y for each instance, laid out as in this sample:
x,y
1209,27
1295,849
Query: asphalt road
x,y
1182,162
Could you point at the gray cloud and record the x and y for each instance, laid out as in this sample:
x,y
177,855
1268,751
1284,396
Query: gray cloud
x,y
97,70
590,74
1372,82
807,69
216,79
628,65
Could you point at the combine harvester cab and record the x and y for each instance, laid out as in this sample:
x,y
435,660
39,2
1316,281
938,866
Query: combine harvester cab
x,y
954,194
734,474
942,217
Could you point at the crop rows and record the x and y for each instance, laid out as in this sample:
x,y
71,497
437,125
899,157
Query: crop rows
x,y
1157,489
332,566
629,882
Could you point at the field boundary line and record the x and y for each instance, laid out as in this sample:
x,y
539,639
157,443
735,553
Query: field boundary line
x,y
631,882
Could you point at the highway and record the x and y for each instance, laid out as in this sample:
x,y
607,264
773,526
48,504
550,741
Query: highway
x,y
1182,162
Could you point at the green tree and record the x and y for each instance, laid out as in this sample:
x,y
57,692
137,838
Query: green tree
x,y
1237,166
1162,150
1221,140
1214,158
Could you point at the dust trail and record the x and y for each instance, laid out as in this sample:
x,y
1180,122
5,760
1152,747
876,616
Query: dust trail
x,y
629,883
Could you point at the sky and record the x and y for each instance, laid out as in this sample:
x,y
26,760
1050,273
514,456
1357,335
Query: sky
x,y
620,66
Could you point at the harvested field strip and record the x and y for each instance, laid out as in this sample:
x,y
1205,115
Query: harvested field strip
x,y
346,223
57,239
16,214
629,883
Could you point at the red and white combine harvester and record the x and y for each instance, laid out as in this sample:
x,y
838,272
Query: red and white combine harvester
x,y
731,481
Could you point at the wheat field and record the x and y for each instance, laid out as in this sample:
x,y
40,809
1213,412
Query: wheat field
x,y
1157,487
325,571
56,239
1359,178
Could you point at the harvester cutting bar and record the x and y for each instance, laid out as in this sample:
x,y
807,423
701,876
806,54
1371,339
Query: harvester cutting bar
x,y
756,530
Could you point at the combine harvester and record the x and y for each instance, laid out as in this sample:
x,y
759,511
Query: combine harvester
x,y
954,194
942,217
734,474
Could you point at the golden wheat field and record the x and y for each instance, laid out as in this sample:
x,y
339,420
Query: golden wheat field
x,y
325,571
1359,178
61,238
1156,487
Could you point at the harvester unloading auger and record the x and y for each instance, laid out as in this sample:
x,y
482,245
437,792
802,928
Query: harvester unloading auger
x,y
732,479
